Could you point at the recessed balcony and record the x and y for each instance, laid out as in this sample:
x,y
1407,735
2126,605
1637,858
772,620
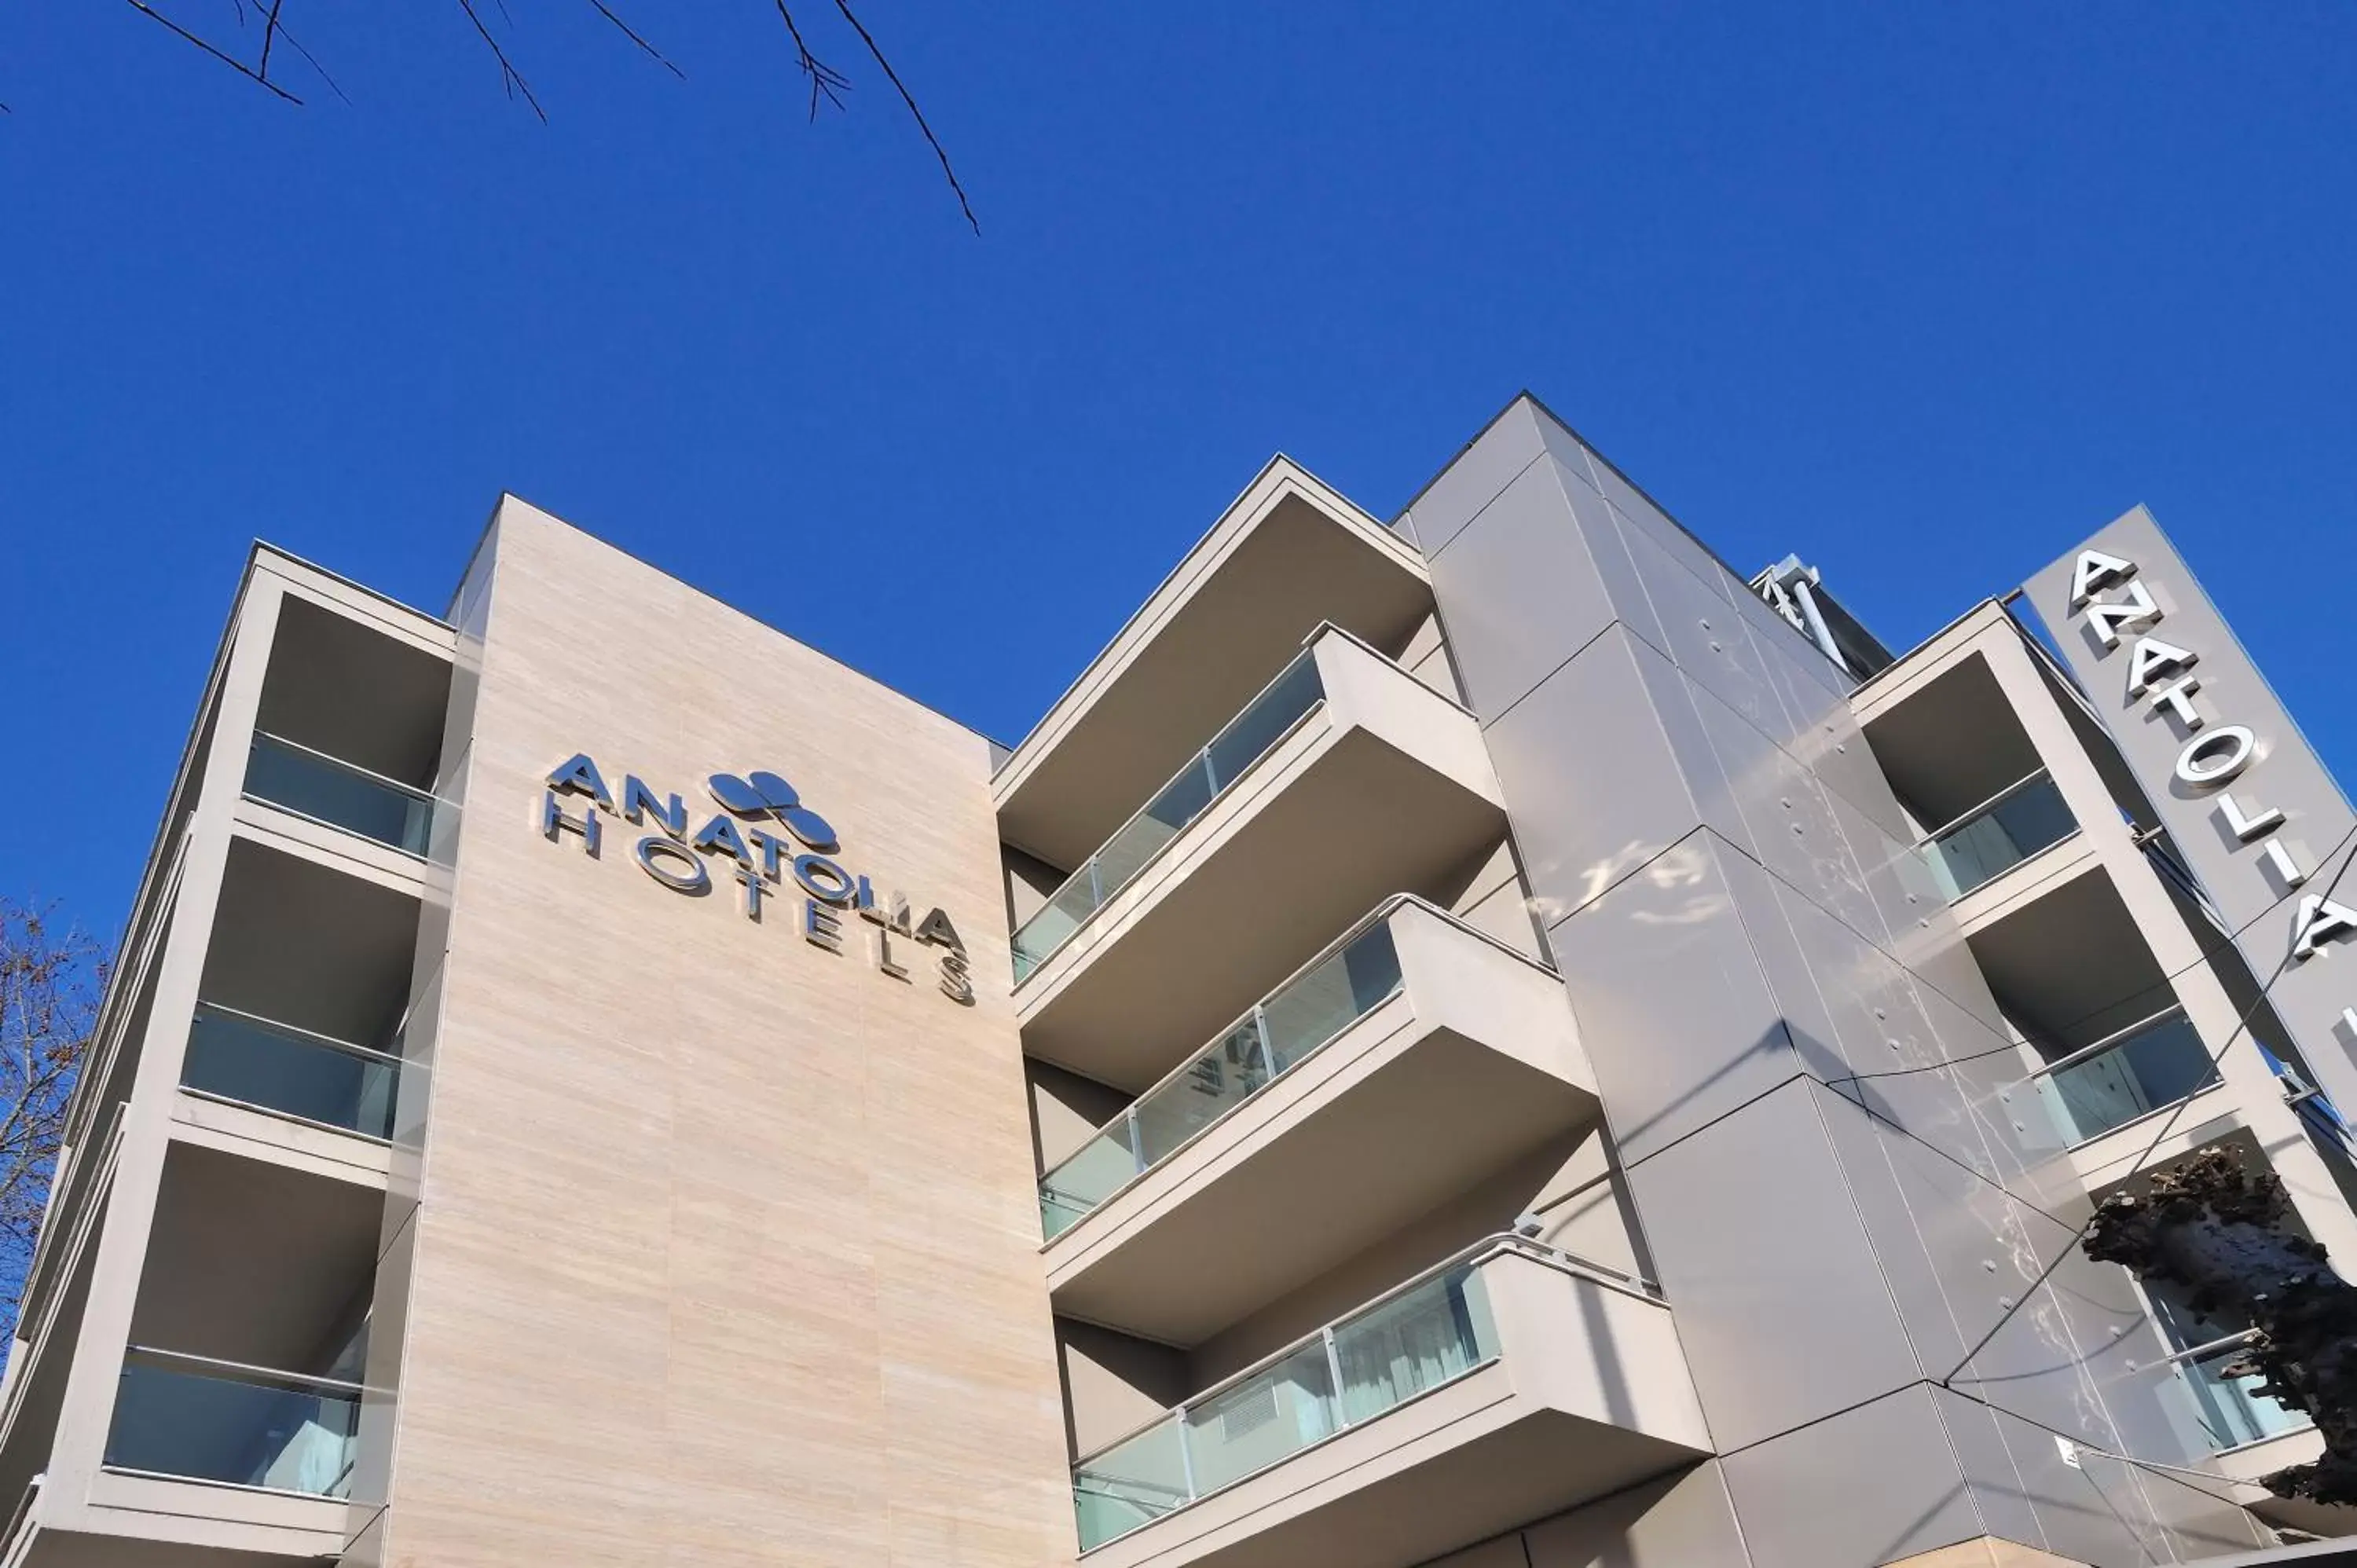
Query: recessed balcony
x,y
245,1059
1509,1382
1274,1152
197,1418
323,789
1345,780
2126,1075
2023,819
1289,556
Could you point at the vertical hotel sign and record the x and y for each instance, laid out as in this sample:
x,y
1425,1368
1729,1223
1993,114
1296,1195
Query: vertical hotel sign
x,y
2253,811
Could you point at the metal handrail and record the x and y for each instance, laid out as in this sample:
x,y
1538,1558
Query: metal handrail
x,y
2116,1037
2206,1352
1105,896
1473,1255
247,1373
1377,916
1966,818
296,1031
412,790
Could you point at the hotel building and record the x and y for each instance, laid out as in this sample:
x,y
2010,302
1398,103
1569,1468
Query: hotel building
x,y
1493,1040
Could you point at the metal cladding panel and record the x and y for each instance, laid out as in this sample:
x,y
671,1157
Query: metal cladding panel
x,y
1682,1521
2236,785
1488,466
1902,1490
1542,596
1603,810
1673,1009
1989,1470
1732,900
1780,1299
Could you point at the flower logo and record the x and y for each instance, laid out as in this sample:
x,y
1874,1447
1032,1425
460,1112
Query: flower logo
x,y
762,794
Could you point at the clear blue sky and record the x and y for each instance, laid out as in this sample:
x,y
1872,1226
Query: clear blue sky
x,y
1922,293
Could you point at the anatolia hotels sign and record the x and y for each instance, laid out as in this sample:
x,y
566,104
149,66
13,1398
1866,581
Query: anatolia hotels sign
x,y
771,845
2216,759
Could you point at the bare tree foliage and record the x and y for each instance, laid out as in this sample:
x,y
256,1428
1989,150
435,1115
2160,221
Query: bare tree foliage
x,y
259,60
2222,1234
51,979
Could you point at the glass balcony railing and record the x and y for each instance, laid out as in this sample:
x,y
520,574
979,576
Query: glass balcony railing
x,y
312,784
1433,1330
1245,738
2121,1077
277,1067
2231,1410
1997,836
1332,991
204,1420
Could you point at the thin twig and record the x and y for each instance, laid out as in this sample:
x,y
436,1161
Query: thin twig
x,y
312,61
634,37
229,60
269,34
823,78
509,78
916,113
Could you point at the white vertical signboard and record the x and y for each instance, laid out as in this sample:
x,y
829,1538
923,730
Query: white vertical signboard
x,y
2255,813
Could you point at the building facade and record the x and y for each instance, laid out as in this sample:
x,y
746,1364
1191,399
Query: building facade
x,y
1490,1040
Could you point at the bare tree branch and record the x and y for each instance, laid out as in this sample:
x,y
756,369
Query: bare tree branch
x,y
827,85
51,981
823,78
509,78
228,60
634,37
916,113
269,36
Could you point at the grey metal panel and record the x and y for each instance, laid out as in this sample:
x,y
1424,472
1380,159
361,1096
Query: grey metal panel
x,y
2092,1512
1831,744
1707,639
1899,1488
1680,1521
2200,1522
1792,820
1594,786
1578,459
1988,1467
1475,477
1796,980
1864,1149
2285,777
1934,1108
1709,771
1649,518
1780,1305
1673,1009
1522,592
1616,567
1876,1030
1905,901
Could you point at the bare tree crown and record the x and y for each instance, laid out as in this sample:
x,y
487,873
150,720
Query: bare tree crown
x,y
52,977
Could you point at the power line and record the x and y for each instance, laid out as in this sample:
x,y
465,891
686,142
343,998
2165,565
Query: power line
x,y
2054,1036
2157,1138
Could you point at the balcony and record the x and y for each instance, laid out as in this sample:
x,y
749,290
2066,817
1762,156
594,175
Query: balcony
x,y
2132,1072
195,1418
1287,556
252,1061
1344,780
323,789
1509,1382
2229,1410
2020,819
1243,740
1272,1154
